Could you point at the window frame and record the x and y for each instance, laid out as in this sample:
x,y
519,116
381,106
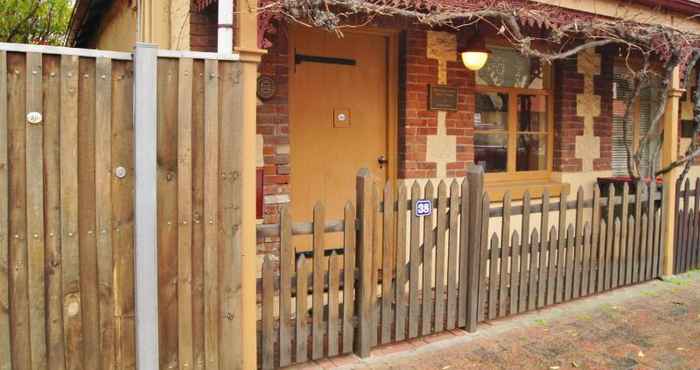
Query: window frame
x,y
512,128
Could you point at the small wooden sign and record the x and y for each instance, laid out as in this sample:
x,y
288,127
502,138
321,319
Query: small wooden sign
x,y
441,97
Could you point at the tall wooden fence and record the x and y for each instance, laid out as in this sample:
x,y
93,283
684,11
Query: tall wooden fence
x,y
67,209
687,242
435,273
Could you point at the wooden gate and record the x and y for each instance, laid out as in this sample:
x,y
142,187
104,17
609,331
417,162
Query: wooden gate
x,y
438,272
687,242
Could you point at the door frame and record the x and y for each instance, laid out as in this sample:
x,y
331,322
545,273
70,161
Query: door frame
x,y
391,36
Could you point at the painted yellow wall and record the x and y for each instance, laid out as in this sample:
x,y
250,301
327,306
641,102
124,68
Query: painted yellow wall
x,y
166,23
118,29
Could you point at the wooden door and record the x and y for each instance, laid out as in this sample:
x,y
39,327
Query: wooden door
x,y
332,78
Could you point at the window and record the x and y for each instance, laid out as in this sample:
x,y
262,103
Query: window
x,y
512,125
627,134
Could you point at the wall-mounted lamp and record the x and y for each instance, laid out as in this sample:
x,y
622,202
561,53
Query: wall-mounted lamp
x,y
475,54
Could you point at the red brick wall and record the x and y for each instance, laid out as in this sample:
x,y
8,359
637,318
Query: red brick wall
x,y
203,29
568,125
416,122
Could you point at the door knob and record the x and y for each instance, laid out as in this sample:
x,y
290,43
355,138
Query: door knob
x,y
382,161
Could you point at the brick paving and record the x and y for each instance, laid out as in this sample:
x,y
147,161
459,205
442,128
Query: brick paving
x,y
654,325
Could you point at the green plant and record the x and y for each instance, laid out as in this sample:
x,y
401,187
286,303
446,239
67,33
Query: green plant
x,y
34,21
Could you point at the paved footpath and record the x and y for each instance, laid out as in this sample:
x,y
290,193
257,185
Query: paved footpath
x,y
655,325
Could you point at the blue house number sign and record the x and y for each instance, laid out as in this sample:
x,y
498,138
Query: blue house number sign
x,y
424,207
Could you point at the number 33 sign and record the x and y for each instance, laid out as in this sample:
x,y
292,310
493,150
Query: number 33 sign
x,y
424,207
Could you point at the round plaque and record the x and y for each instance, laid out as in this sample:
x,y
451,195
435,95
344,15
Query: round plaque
x,y
267,87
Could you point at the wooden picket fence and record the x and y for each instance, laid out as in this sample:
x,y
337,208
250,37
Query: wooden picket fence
x,y
436,273
687,242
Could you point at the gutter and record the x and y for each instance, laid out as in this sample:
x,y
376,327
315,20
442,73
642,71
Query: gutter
x,y
687,7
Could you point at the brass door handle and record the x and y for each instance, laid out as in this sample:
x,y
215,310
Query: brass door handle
x,y
382,161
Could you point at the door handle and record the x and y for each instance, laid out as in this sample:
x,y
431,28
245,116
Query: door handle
x,y
382,161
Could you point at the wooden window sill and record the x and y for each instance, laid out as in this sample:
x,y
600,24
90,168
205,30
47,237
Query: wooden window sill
x,y
496,189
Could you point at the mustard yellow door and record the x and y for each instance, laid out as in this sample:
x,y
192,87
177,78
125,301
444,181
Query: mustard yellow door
x,y
338,114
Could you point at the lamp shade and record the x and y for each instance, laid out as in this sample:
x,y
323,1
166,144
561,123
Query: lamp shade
x,y
475,54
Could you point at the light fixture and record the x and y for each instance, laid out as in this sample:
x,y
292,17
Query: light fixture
x,y
475,54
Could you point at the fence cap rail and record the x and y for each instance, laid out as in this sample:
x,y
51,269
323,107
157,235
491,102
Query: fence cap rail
x,y
60,50
162,53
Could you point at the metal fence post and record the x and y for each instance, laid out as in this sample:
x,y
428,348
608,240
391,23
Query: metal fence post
x,y
145,206
475,176
364,183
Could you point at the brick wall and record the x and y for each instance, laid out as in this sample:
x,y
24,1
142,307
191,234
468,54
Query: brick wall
x,y
203,29
416,122
568,125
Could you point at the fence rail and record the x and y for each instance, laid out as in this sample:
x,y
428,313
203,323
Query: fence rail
x,y
429,274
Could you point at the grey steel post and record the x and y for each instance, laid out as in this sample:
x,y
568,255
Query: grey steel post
x,y
145,242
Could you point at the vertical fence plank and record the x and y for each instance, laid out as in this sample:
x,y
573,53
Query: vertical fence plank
x,y
35,214
637,232
651,214
644,237
366,291
561,251
687,212
525,254
483,248
376,252
70,255
415,258
400,290
609,241
333,320
16,122
452,256
349,297
167,213
464,253
616,253
230,236
552,265
52,265
302,329
122,214
622,273
184,214
493,280
630,248
103,205
677,223
211,232
198,222
601,256
578,248
545,252
317,331
696,236
268,321
595,240
657,237
475,186
285,297
514,273
428,245
586,269
5,351
505,252
533,272
441,220
569,269
387,261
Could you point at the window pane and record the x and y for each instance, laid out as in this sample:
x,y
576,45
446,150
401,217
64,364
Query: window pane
x,y
508,68
532,152
491,112
491,151
532,113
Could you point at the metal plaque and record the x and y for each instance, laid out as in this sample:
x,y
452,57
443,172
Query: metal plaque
x,y
267,87
441,97
424,207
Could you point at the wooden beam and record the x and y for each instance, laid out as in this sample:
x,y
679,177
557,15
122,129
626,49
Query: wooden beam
x,y
669,155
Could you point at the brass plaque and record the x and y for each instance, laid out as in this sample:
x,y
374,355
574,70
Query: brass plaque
x,y
267,87
441,97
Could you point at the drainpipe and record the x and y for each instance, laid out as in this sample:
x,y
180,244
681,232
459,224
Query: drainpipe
x,y
225,31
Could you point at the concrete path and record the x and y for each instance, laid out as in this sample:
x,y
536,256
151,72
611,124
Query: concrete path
x,y
654,325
